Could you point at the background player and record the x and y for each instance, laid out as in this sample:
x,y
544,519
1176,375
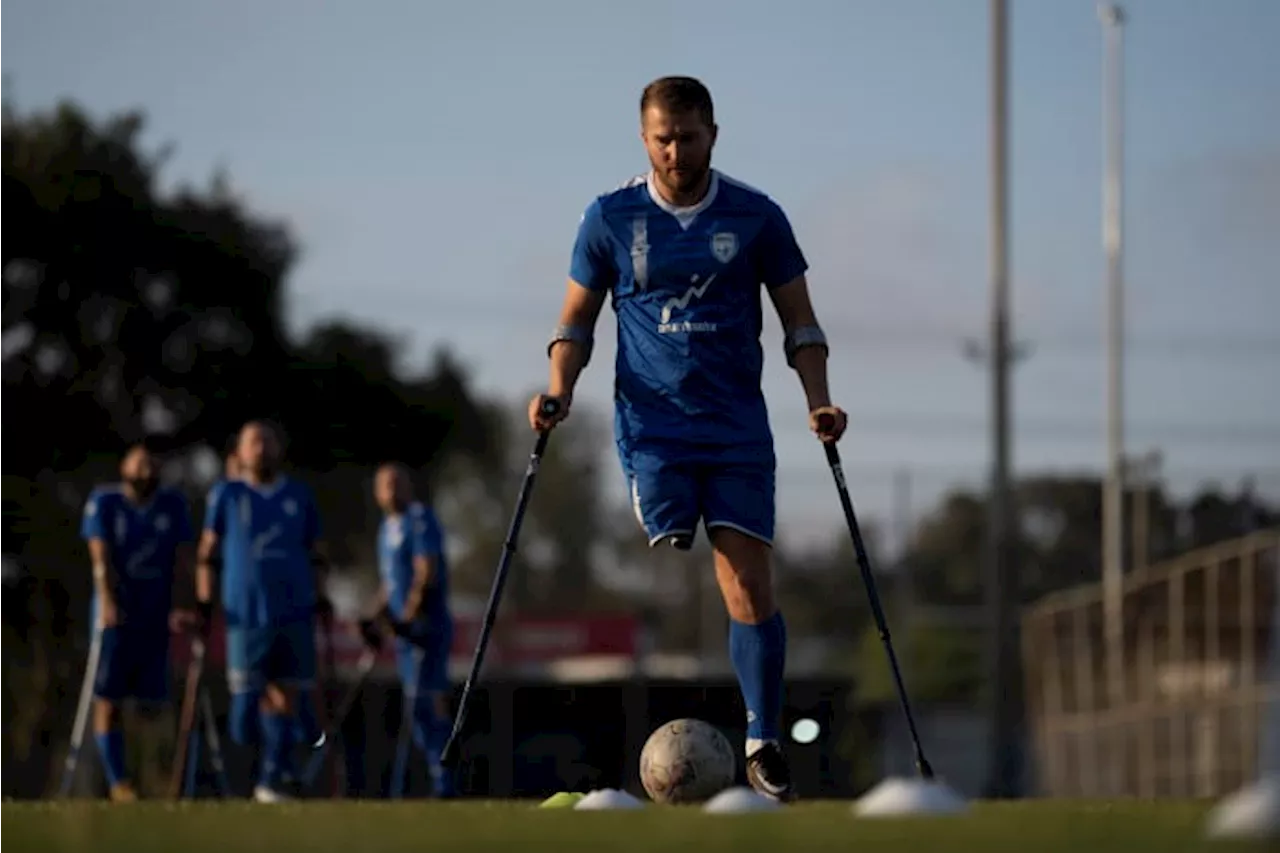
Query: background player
x,y
263,532
139,539
683,251
413,603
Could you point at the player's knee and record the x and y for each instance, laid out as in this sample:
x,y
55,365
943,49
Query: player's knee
x,y
279,699
106,715
428,706
743,570
243,724
439,705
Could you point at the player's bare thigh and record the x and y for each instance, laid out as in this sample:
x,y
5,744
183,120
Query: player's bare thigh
x,y
279,698
439,704
744,570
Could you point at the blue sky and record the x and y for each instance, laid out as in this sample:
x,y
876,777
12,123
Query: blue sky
x,y
434,159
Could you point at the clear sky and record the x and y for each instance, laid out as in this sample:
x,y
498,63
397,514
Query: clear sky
x,y
434,159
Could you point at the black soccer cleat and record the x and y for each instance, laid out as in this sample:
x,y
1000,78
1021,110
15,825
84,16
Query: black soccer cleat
x,y
768,773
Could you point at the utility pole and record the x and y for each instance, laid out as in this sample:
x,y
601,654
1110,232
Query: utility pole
x,y
1113,18
1004,774
1143,471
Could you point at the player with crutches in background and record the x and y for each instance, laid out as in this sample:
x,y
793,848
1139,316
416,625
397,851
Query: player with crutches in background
x,y
413,604
139,538
306,728
683,253
262,533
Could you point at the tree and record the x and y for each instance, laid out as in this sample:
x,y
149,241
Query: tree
x,y
1059,546
130,313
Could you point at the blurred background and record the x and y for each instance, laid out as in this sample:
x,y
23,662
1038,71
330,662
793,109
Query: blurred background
x,y
356,219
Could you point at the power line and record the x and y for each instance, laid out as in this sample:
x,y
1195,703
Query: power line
x,y
947,424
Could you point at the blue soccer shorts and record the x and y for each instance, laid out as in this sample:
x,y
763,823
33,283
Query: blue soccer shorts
x,y
422,660
284,655
133,663
674,487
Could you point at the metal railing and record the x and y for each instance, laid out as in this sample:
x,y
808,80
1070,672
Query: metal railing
x,y
1200,665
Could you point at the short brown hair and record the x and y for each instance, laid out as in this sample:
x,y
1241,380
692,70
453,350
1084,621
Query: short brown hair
x,y
678,95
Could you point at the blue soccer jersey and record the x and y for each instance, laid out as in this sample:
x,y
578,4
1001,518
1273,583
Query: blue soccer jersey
x,y
267,534
686,289
143,542
211,497
401,538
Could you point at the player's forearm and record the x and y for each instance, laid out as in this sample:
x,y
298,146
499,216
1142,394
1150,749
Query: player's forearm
x,y
104,580
105,577
206,565
412,605
811,366
574,337
204,582
568,358
424,570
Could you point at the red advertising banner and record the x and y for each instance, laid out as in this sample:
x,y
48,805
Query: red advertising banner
x,y
516,641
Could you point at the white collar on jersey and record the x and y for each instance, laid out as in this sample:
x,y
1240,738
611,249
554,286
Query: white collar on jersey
x,y
139,508
268,490
685,215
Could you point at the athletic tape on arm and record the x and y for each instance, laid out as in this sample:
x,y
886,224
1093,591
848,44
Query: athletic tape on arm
x,y
573,334
801,337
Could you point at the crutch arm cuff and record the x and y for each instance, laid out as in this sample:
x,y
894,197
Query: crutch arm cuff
x,y
581,335
802,337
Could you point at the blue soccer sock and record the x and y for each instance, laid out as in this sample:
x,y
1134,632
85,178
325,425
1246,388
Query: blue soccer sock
x,y
759,655
430,731
111,748
306,724
245,722
441,778
277,748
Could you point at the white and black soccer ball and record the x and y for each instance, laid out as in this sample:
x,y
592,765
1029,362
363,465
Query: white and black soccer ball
x,y
686,761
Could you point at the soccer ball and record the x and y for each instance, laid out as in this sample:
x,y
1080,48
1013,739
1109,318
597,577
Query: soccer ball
x,y
686,761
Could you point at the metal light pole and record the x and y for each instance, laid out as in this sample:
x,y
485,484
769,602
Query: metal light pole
x,y
1113,537
1001,582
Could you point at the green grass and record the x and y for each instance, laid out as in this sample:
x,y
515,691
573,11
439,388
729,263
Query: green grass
x,y
517,827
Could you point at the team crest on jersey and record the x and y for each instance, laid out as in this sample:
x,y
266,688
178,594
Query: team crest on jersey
x,y
724,246
290,507
162,523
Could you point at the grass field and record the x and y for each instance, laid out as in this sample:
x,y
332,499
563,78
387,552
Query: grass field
x,y
517,827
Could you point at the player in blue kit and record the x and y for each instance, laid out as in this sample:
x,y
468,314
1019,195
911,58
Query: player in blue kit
x,y
413,603
262,532
683,252
139,538
307,727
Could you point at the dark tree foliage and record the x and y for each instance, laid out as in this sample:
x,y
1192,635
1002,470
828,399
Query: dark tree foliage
x,y
129,312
